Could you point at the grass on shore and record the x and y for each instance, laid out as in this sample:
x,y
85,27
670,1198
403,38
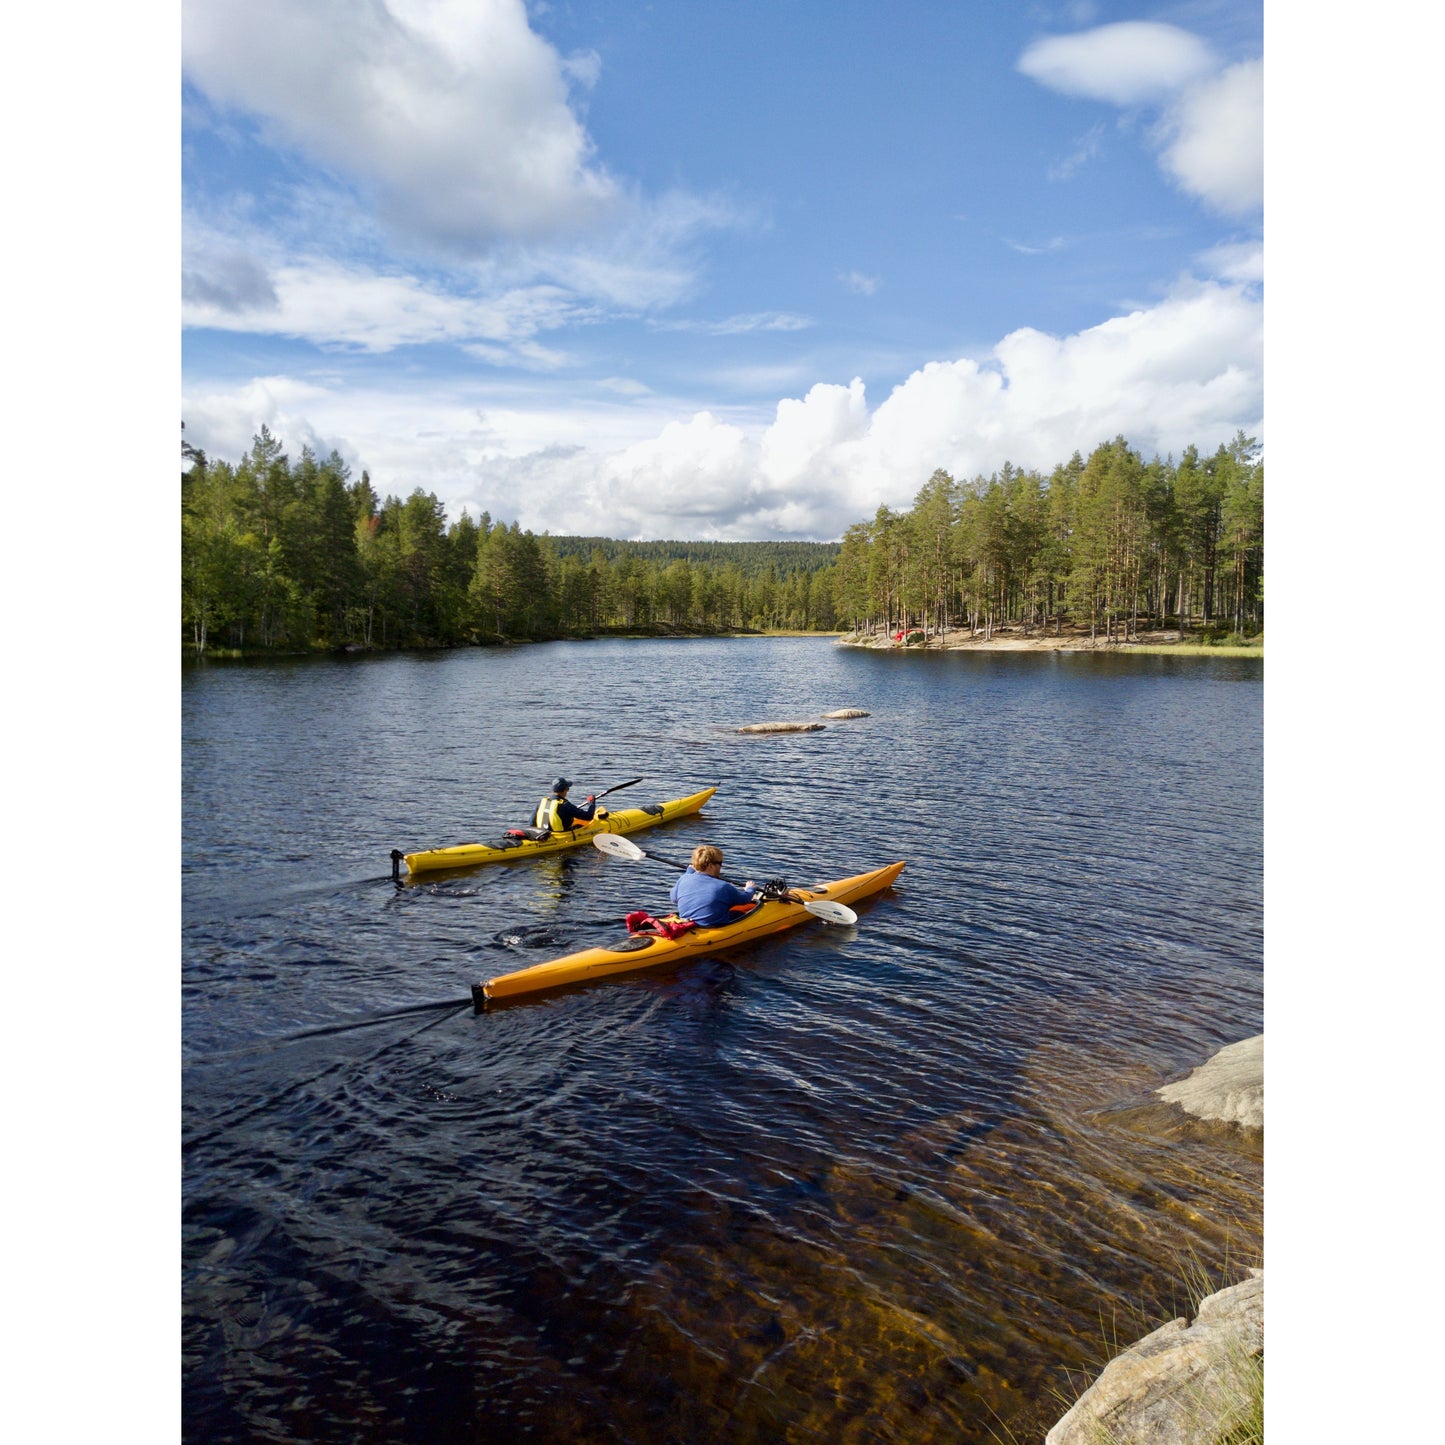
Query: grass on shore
x,y
1194,649
1222,1405
1216,643
1234,1391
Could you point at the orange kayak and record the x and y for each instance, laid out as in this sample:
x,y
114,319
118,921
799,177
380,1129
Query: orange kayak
x,y
643,950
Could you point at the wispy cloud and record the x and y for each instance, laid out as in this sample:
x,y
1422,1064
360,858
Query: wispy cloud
x,y
1235,261
337,305
525,355
284,274
1086,150
857,281
761,377
645,258
1039,248
739,325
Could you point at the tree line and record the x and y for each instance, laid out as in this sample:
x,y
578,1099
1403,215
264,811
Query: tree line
x,y
293,556
1110,544
282,555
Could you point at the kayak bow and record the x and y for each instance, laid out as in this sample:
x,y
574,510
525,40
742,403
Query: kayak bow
x,y
508,850
643,950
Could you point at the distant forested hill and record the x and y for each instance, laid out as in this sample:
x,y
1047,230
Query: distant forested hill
x,y
752,559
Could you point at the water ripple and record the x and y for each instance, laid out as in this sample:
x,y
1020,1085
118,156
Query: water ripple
x,y
887,1175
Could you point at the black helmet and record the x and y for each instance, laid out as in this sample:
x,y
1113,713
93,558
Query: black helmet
x,y
560,785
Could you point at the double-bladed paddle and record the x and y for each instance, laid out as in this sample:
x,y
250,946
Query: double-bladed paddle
x,y
616,846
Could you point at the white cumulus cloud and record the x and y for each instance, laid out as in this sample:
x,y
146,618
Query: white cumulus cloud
x,y
222,424
678,483
1126,64
1210,126
1215,139
806,434
454,111
1235,261
1188,369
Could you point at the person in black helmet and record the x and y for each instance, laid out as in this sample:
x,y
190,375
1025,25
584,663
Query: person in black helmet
x,y
556,813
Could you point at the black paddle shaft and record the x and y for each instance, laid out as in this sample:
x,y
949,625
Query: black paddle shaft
x,y
629,783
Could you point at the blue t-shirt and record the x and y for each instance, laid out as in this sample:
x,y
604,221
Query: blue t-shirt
x,y
707,900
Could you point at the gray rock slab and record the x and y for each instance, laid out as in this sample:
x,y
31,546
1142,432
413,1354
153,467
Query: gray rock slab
x,y
1229,1087
847,712
1184,1384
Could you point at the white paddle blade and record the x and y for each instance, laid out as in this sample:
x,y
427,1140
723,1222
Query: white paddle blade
x,y
617,846
830,912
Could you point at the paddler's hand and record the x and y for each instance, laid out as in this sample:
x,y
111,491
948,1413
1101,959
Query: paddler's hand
x,y
590,798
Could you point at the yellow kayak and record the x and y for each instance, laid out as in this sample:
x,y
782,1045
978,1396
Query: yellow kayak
x,y
643,950
510,849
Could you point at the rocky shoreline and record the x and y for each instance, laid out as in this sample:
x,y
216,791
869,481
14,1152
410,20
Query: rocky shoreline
x,y
1189,1381
1015,638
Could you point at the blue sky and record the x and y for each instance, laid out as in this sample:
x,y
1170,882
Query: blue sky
x,y
706,271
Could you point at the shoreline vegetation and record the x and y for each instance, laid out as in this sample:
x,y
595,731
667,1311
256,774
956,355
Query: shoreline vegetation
x,y
290,558
1157,642
1160,642
663,631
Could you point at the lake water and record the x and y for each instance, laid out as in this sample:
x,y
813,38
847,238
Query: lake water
x,y
905,1181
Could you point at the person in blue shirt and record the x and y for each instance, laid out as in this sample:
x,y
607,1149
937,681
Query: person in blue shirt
x,y
705,897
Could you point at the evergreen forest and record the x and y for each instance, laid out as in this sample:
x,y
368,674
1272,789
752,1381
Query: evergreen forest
x,y
290,556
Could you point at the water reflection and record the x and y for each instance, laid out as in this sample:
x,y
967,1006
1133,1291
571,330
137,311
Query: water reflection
x,y
847,1184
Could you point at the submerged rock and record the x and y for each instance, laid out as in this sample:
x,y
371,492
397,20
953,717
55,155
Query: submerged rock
x,y
1229,1086
847,712
783,727
1184,1384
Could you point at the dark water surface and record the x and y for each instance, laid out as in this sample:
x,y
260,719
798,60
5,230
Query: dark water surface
x,y
883,1183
